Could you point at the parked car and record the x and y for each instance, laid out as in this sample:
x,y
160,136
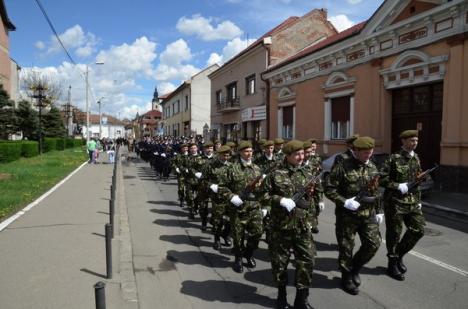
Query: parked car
x,y
378,158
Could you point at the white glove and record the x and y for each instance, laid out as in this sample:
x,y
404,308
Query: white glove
x,y
419,206
264,176
175,153
321,206
287,203
264,212
351,204
236,200
379,218
186,170
177,170
163,155
198,175
403,187
214,188
156,153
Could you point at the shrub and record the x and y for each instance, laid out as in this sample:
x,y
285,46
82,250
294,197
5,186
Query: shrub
x,y
10,151
29,149
69,143
60,143
78,142
49,144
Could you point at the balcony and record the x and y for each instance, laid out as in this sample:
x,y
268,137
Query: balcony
x,y
228,105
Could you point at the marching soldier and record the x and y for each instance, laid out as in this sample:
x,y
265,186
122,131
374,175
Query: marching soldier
x,y
352,186
202,193
290,223
402,203
278,149
242,189
192,174
349,151
177,164
267,160
216,172
313,162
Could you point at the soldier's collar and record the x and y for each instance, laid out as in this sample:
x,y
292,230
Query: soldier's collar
x,y
245,162
270,157
408,153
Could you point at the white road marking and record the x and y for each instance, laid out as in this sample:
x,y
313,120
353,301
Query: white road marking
x,y
10,220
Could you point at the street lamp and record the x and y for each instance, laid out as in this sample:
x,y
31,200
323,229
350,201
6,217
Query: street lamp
x,y
38,93
100,117
87,98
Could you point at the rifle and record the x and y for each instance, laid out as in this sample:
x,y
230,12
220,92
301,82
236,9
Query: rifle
x,y
310,185
371,185
421,176
247,191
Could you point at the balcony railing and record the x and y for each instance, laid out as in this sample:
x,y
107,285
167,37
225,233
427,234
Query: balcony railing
x,y
228,104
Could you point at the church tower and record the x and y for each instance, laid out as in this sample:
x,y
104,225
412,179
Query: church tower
x,y
156,101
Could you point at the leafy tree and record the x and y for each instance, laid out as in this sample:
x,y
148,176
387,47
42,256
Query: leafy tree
x,y
27,120
52,123
8,119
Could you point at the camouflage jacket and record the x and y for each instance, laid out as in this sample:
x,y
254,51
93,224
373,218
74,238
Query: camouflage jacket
x,y
267,165
238,176
284,182
193,164
315,170
315,162
279,156
346,180
178,161
401,167
342,156
215,173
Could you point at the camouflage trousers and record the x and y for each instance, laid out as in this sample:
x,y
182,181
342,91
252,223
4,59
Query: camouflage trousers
x,y
218,211
302,245
395,216
181,188
246,229
346,228
190,197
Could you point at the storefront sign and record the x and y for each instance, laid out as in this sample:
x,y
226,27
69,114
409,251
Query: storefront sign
x,y
254,113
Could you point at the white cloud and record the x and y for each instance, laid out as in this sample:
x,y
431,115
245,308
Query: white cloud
x,y
203,29
231,49
165,88
175,53
73,38
354,1
39,45
341,22
214,59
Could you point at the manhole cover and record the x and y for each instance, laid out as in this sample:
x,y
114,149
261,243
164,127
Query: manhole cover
x,y
431,232
128,177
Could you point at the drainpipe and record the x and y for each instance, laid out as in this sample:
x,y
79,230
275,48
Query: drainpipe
x,y
266,44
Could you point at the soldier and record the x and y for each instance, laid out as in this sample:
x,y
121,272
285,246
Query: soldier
x,y
242,188
349,151
267,161
217,145
402,203
278,149
313,162
192,174
202,192
177,164
352,186
290,223
215,173
258,150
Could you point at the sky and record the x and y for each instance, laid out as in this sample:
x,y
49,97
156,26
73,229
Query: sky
x,y
147,43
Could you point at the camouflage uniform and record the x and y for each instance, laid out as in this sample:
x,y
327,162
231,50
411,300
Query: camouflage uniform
x,y
193,164
314,165
246,220
291,231
401,167
345,181
202,190
177,163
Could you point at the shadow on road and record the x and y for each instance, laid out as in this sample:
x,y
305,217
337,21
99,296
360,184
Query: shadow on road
x,y
85,270
238,293
197,241
321,246
206,259
176,223
166,203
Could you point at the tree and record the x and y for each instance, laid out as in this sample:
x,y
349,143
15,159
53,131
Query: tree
x,y
27,120
52,123
8,119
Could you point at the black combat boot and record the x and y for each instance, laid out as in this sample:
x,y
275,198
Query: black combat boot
x,y
347,283
301,301
282,301
393,270
191,214
225,235
203,225
238,267
217,243
181,203
355,274
315,230
251,263
400,265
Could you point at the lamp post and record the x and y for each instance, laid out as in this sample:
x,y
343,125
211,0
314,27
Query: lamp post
x,y
87,98
100,117
39,95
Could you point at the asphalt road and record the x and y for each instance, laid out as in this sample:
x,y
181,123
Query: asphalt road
x,y
176,267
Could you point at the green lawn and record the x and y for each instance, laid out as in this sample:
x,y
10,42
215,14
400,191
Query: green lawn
x,y
24,180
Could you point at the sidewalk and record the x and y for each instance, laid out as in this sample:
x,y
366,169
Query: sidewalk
x,y
54,253
453,204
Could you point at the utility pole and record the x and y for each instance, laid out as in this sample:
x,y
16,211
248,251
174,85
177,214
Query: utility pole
x,y
39,95
69,114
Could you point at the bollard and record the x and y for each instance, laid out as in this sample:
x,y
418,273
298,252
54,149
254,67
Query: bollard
x,y
112,188
108,251
100,295
111,216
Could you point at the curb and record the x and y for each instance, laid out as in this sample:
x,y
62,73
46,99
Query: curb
x,y
451,211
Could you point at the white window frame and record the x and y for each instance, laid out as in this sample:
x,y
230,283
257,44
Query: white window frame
x,y
327,114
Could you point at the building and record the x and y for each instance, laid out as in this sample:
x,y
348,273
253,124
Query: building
x,y
404,68
186,110
148,124
5,64
239,95
110,127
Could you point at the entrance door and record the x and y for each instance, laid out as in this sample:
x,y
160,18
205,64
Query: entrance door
x,y
419,108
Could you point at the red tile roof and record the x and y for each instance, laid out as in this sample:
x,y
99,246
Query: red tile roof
x,y
345,34
153,113
94,119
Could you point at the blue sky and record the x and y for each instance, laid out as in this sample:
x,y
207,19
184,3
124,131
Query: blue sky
x,y
148,43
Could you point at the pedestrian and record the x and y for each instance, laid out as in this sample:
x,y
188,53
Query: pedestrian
x,y
91,146
111,153
402,203
291,227
352,187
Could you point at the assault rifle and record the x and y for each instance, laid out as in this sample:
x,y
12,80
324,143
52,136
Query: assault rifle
x,y
370,186
421,177
246,193
309,186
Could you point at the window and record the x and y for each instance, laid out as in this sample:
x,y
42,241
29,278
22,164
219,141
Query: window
x,y
288,122
186,103
250,84
340,117
168,111
231,91
219,96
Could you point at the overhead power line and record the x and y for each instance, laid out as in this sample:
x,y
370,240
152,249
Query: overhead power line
x,y
54,31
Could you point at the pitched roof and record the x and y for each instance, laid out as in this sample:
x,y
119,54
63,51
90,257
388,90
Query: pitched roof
x,y
94,119
6,21
343,35
153,113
